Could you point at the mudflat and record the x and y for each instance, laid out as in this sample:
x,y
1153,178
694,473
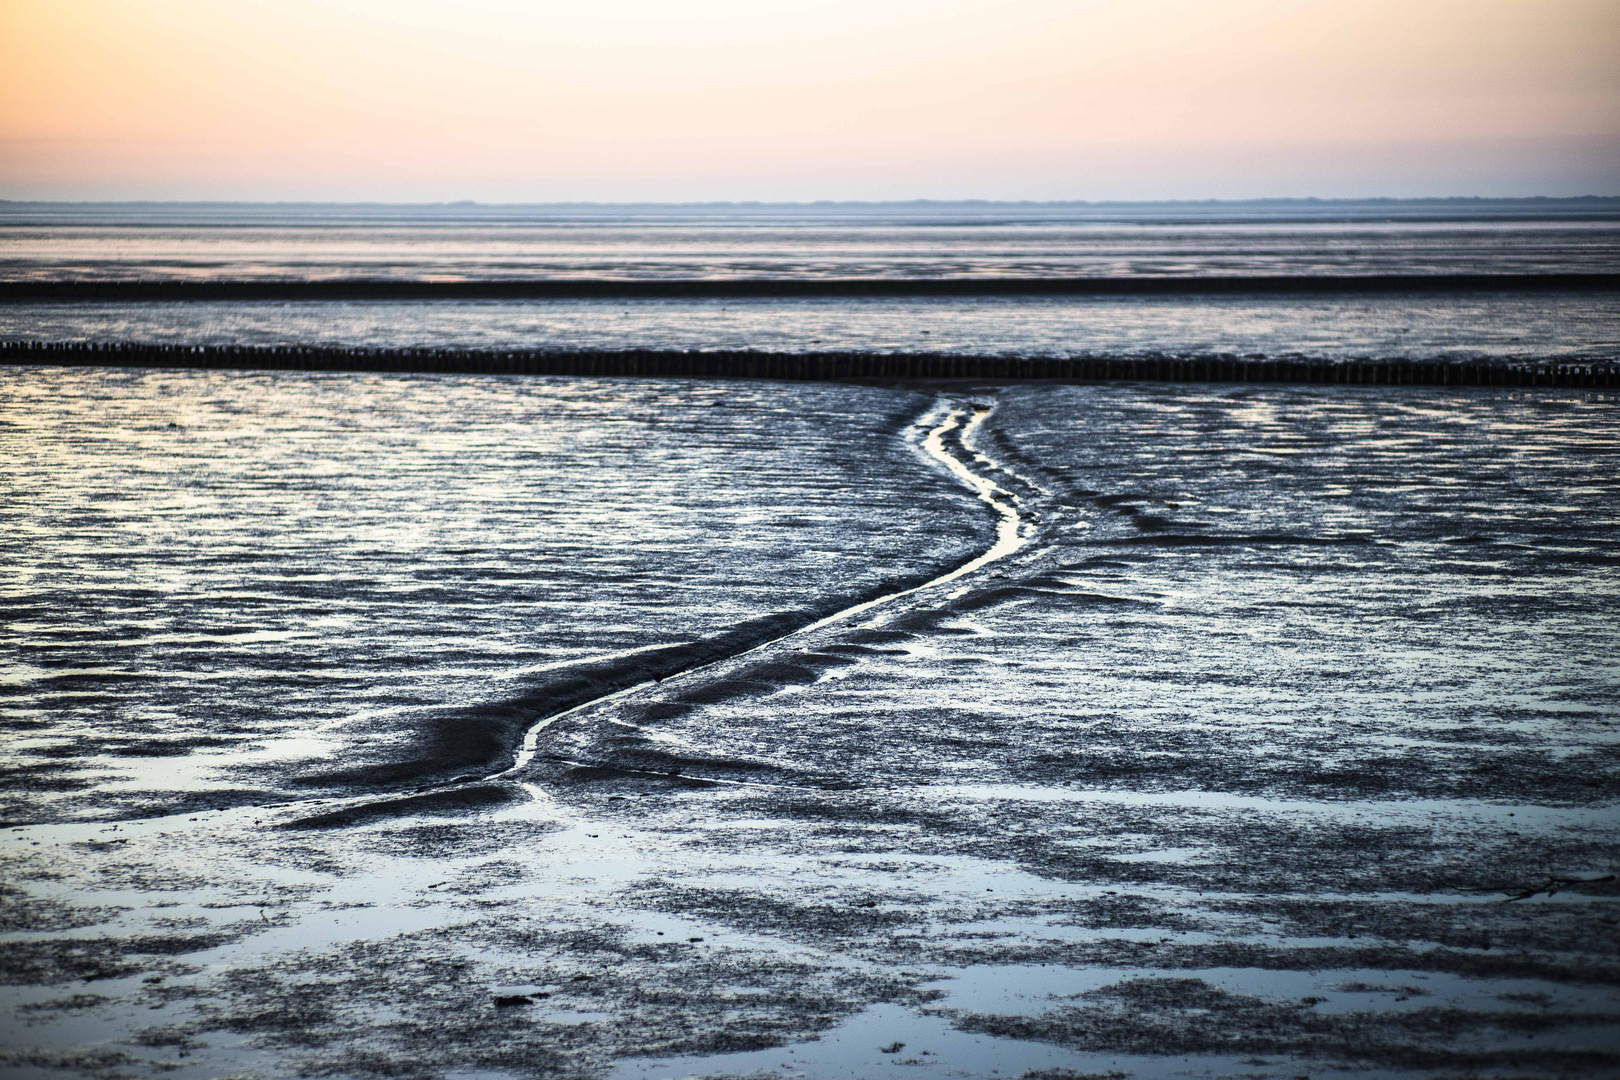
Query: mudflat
x,y
1041,731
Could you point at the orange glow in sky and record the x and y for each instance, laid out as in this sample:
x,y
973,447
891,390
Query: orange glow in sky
x,y
501,100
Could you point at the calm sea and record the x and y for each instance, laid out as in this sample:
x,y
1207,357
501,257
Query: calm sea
x,y
162,242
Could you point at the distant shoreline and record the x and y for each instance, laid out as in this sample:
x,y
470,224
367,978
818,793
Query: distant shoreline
x,y
1599,209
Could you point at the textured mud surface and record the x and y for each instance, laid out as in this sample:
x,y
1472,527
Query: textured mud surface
x,y
218,584
1280,742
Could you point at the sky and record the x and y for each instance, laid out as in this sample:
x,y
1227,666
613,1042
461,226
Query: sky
x,y
616,100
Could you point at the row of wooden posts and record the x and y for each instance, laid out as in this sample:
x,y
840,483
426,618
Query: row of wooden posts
x,y
818,366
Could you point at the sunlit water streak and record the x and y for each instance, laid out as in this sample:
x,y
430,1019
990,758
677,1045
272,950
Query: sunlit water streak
x,y
1012,533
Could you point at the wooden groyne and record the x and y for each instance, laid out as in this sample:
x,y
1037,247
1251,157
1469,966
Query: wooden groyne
x,y
785,288
815,366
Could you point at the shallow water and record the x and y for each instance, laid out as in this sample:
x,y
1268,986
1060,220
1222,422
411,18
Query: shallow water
x,y
201,243
1568,327
41,242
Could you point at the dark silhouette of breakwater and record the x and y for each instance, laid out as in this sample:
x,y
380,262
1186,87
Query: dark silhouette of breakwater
x,y
815,366
598,288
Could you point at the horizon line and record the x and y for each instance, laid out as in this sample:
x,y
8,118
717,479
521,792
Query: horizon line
x,y
1289,200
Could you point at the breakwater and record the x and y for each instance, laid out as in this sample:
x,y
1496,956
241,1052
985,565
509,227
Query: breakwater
x,y
813,366
601,288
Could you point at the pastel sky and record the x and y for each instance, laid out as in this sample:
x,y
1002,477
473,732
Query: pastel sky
x,y
501,100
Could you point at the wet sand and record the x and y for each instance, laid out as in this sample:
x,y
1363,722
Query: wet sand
x,y
230,588
1253,751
